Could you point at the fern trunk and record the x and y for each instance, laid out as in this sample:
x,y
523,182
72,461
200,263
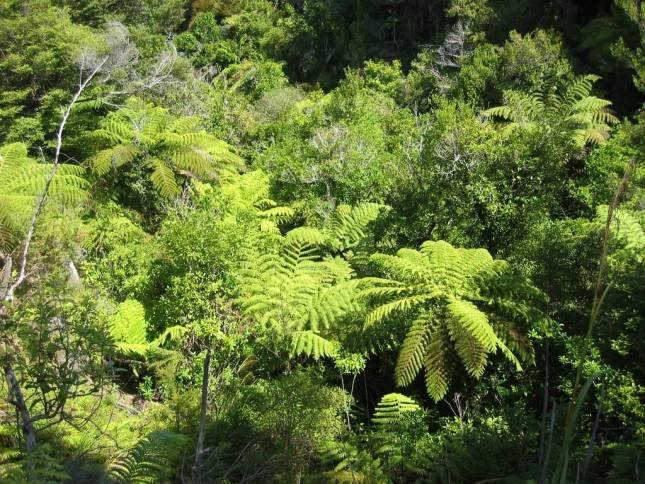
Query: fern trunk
x,y
199,450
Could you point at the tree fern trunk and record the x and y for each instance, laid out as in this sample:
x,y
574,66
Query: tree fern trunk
x,y
199,450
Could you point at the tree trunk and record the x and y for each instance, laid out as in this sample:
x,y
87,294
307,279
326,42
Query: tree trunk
x,y
18,400
199,451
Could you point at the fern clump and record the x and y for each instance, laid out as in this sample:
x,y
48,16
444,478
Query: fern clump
x,y
459,302
167,146
22,183
584,117
297,292
300,291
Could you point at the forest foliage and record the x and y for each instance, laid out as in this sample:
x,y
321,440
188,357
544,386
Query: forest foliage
x,y
322,241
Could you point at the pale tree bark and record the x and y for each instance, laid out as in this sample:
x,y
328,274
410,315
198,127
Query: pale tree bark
x,y
16,395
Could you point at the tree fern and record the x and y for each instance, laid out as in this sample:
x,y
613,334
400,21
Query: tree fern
x,y
351,465
128,328
458,303
169,147
311,344
391,408
22,182
247,195
297,291
627,230
585,118
344,228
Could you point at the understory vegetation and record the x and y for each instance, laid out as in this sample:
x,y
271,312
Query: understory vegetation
x,y
322,241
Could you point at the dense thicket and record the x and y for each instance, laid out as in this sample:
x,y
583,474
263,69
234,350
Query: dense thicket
x,y
322,241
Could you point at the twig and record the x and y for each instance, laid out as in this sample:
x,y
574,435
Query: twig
x,y
22,265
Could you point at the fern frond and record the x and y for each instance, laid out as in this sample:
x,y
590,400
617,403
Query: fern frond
x,y
153,459
436,367
306,235
391,408
437,285
22,183
473,321
415,346
310,344
170,146
128,323
400,305
163,178
347,225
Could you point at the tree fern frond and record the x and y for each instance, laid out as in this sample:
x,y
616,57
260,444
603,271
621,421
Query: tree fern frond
x,y
310,344
584,118
22,183
169,145
400,305
346,225
413,350
153,459
128,323
436,367
306,235
471,351
473,321
163,178
438,285
391,408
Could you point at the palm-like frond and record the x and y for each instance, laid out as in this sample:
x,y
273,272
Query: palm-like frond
x,y
168,146
391,408
22,182
585,118
451,294
298,292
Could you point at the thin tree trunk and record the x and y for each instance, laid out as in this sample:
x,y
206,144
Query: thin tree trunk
x,y
594,432
9,288
18,401
547,457
600,286
545,405
199,451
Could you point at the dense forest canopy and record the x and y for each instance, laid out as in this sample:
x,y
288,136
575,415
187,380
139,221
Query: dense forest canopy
x,y
322,241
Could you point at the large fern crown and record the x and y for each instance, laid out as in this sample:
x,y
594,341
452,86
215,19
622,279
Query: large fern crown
x,y
586,118
438,266
453,301
166,144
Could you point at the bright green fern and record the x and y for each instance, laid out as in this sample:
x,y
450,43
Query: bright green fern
x,y
22,182
459,302
169,147
585,118
391,408
298,292
154,459
128,328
